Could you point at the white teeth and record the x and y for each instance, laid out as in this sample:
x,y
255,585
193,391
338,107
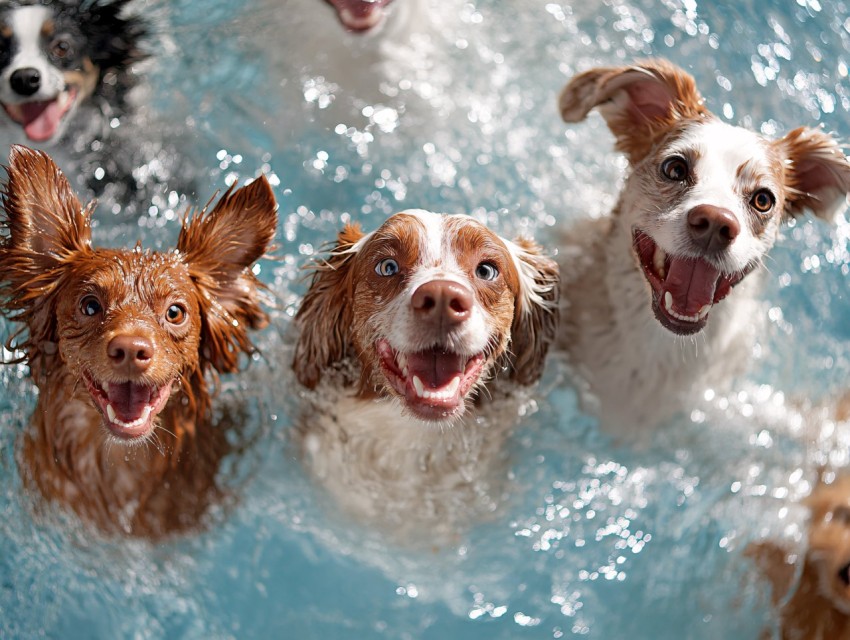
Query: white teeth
x,y
453,387
668,307
105,387
448,392
110,414
419,387
659,259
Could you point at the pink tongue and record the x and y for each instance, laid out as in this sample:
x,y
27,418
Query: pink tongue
x,y
692,284
128,400
41,119
434,367
358,9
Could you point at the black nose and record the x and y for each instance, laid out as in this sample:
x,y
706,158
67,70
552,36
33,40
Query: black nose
x,y
25,81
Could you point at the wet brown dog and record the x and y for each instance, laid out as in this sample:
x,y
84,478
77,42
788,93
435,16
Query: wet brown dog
x,y
119,343
819,607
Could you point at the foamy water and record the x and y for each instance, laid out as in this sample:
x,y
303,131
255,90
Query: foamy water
x,y
598,538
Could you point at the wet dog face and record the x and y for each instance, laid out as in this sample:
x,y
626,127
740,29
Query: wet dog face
x,y
428,304
130,326
703,200
53,58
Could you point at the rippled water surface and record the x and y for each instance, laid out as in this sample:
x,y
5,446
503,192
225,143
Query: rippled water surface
x,y
601,539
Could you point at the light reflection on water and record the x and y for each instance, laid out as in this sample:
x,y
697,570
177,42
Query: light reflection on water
x,y
600,538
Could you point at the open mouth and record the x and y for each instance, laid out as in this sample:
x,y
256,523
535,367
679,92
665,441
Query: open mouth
x,y
433,382
360,15
128,408
42,119
683,289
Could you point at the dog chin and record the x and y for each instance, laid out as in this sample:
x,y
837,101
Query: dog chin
x,y
44,121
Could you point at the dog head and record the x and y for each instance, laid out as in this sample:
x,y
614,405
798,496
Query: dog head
x,y
54,56
131,325
704,200
360,16
430,305
829,540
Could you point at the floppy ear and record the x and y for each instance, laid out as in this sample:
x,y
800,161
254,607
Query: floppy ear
x,y
638,103
45,227
535,311
325,316
816,171
219,248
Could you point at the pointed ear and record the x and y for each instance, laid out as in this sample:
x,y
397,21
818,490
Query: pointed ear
x,y
45,226
219,248
325,316
637,102
535,311
816,171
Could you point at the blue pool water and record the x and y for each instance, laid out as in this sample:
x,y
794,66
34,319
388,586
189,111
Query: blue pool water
x,y
600,539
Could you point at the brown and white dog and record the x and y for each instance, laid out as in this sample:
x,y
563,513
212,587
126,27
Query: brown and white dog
x,y
814,600
399,332
702,204
119,344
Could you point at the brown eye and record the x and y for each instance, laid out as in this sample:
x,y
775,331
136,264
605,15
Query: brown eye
x,y
61,47
175,314
762,200
90,305
675,169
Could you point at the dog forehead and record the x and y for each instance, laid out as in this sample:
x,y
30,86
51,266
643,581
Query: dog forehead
x,y
435,237
27,22
150,268
723,147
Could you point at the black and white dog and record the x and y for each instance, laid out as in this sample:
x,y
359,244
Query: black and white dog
x,y
65,64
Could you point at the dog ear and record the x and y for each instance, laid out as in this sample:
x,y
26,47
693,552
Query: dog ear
x,y
219,248
535,311
638,103
45,226
325,316
816,171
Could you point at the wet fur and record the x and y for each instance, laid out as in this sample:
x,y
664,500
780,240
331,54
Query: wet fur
x,y
812,603
377,462
632,371
164,483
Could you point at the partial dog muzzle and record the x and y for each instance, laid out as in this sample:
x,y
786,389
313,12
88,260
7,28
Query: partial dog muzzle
x,y
442,301
25,81
130,354
712,228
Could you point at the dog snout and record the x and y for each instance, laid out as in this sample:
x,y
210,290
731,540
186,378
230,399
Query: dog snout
x,y
442,301
130,354
25,81
712,228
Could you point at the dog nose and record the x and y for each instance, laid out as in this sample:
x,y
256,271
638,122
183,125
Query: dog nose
x,y
444,300
712,228
129,353
25,81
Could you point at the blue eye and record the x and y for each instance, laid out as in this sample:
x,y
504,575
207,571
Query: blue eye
x,y
486,271
387,267
90,306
